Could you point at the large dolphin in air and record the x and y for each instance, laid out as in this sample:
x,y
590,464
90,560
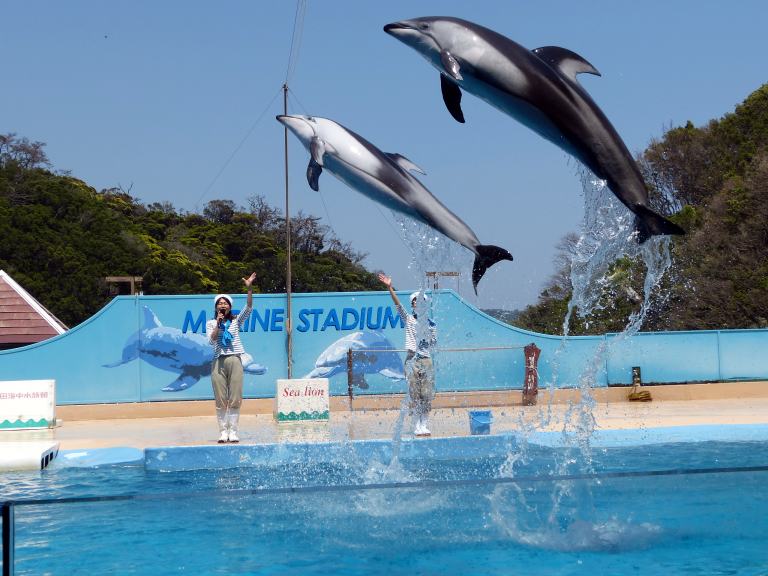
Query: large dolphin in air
x,y
386,179
539,88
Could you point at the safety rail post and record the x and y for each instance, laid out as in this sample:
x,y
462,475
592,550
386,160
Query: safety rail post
x,y
8,537
349,377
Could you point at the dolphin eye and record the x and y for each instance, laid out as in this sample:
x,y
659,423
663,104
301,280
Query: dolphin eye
x,y
423,26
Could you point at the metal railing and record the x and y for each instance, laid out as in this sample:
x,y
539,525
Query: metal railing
x,y
437,352
8,538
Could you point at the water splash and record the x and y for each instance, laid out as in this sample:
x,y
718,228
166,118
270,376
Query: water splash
x,y
608,237
431,251
564,518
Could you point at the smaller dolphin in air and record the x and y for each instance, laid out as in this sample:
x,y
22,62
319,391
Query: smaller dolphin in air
x,y
188,355
386,179
373,353
538,88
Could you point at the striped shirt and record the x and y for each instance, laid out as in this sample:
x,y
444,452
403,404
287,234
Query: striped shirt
x,y
419,338
236,346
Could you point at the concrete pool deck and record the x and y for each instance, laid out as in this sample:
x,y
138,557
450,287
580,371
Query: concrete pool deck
x,y
192,423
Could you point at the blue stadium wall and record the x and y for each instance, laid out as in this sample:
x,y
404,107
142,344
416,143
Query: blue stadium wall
x,y
154,348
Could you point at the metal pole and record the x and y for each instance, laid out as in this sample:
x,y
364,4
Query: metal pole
x,y
8,538
288,327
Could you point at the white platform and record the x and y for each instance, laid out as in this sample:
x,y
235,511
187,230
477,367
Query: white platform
x,y
33,455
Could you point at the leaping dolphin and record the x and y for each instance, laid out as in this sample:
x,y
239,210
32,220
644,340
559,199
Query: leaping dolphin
x,y
386,179
188,355
538,88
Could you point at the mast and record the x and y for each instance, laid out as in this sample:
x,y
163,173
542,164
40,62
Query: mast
x,y
288,323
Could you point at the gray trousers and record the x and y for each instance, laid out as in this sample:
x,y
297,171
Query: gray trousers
x,y
421,384
227,380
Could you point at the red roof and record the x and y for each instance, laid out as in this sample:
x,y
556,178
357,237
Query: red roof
x,y
23,320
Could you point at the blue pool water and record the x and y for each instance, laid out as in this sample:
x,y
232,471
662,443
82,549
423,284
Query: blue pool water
x,y
477,505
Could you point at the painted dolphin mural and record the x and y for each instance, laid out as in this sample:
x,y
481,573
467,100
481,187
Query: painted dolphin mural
x,y
188,355
386,179
539,88
382,359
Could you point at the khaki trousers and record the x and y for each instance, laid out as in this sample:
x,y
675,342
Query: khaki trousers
x,y
227,380
421,384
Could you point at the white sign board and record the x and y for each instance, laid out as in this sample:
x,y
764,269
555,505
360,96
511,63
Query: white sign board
x,y
302,399
27,404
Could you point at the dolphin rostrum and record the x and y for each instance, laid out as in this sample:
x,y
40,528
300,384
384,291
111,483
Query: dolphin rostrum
x,y
386,179
539,88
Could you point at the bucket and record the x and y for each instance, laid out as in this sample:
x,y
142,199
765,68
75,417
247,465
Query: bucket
x,y
480,422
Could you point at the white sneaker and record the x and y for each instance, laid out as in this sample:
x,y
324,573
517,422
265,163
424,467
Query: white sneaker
x,y
221,418
232,420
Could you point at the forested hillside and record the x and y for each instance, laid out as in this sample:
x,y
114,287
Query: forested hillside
x,y
718,175
61,238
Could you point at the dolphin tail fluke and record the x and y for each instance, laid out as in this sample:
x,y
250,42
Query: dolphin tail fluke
x,y
487,256
649,223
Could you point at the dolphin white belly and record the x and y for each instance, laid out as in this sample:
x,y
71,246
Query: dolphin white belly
x,y
406,195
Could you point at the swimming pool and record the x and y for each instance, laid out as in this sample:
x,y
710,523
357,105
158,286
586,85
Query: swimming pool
x,y
477,505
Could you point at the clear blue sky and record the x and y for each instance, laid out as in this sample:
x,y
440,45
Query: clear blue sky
x,y
165,98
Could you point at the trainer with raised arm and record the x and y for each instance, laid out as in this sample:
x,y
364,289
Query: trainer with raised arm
x,y
420,339
227,369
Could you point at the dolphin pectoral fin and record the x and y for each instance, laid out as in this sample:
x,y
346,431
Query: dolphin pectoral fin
x,y
317,149
565,61
181,383
450,65
313,174
324,372
487,256
116,364
392,374
404,163
452,97
254,368
648,223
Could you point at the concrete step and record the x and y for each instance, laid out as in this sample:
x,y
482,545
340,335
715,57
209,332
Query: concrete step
x,y
32,455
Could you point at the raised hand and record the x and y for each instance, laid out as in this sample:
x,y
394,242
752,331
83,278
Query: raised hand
x,y
386,280
248,281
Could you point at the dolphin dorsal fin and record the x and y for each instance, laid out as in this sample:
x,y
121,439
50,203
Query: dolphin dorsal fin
x,y
150,320
404,163
567,62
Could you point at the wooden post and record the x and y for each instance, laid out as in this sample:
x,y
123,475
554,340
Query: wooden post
x,y
531,383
